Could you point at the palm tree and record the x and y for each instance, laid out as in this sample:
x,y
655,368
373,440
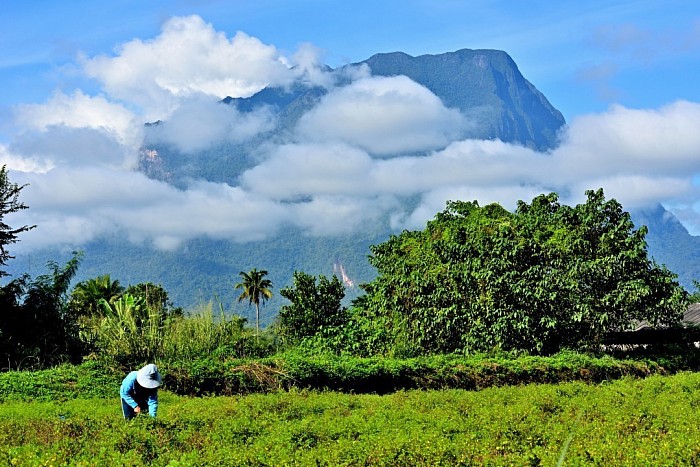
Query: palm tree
x,y
255,287
87,294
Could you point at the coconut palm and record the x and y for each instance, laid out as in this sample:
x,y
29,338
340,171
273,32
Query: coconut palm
x,y
255,288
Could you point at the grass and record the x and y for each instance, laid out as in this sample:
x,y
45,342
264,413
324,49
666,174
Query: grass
x,y
629,421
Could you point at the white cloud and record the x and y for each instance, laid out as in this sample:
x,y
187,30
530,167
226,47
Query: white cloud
x,y
299,170
81,111
74,205
475,162
657,141
639,157
189,57
383,115
333,175
60,145
205,209
22,163
201,122
335,215
309,67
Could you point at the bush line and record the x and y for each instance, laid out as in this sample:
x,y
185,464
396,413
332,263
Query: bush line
x,y
379,375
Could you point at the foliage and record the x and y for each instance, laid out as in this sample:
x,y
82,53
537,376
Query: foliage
x,y
255,288
695,295
314,309
626,422
224,373
202,333
66,381
131,333
129,330
36,326
87,294
9,203
541,279
155,297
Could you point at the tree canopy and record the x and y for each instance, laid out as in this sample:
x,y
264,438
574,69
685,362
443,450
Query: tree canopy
x,y
315,307
543,278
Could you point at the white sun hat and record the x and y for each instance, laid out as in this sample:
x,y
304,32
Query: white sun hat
x,y
149,376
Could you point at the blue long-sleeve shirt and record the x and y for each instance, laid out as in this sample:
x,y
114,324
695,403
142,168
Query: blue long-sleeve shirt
x,y
136,395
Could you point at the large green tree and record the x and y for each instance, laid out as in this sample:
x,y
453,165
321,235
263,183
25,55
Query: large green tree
x,y
35,324
255,287
542,278
315,308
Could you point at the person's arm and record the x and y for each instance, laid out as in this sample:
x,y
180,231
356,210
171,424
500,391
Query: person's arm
x,y
153,403
127,390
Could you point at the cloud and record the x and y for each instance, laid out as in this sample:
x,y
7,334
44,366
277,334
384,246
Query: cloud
x,y
384,116
325,215
65,146
309,67
373,150
201,122
74,205
81,111
294,171
640,157
23,163
189,57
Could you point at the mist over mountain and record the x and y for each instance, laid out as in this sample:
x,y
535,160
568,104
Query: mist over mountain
x,y
305,175
486,86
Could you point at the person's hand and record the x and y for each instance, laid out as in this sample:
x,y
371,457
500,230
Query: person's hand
x,y
137,409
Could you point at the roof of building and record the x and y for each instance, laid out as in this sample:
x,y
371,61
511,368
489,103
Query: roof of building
x,y
692,314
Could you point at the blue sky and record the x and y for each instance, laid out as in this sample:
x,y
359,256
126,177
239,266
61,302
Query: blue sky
x,y
81,75
582,55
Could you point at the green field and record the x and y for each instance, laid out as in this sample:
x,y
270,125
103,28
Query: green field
x,y
651,421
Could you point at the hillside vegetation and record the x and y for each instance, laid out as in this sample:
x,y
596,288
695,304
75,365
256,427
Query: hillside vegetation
x,y
542,279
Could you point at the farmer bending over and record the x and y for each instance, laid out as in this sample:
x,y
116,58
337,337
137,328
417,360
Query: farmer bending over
x,y
139,392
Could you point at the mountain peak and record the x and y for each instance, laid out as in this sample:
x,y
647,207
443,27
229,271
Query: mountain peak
x,y
485,85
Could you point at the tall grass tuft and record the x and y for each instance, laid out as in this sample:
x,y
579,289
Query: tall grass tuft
x,y
131,332
201,333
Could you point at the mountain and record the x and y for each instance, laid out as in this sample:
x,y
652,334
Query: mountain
x,y
485,86
670,243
